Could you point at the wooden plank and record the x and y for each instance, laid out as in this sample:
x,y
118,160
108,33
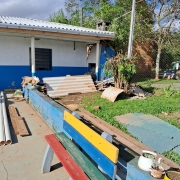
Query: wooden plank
x,y
123,138
14,125
17,122
64,157
10,90
12,116
87,166
99,142
22,128
108,166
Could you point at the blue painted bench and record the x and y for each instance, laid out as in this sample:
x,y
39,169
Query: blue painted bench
x,y
90,152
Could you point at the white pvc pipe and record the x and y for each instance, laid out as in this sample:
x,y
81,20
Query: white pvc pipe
x,y
2,135
6,124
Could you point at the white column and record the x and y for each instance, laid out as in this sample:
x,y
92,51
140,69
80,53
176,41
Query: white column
x,y
97,61
33,56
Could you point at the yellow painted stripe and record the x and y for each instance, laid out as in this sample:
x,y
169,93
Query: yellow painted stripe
x,y
109,150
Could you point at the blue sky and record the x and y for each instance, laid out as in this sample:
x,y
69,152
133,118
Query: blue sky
x,y
37,9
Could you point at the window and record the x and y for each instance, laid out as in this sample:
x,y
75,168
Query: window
x,y
43,59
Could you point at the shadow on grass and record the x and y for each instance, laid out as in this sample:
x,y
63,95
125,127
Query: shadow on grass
x,y
149,89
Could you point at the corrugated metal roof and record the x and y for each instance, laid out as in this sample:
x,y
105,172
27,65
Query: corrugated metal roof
x,y
152,131
34,24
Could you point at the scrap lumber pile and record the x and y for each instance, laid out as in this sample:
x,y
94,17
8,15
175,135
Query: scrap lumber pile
x,y
17,122
65,85
29,80
42,88
101,85
33,83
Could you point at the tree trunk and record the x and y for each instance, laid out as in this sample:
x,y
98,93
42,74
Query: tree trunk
x,y
116,82
127,85
157,61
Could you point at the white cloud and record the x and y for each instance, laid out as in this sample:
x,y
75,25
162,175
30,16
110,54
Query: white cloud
x,y
37,9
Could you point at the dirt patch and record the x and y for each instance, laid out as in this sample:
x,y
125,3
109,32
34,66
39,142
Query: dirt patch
x,y
174,115
72,99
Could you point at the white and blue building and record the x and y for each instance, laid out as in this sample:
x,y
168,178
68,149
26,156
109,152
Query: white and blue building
x,y
30,47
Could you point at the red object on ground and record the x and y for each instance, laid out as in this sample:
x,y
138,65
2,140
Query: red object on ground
x,y
73,169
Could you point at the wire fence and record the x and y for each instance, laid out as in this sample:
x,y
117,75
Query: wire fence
x,y
146,64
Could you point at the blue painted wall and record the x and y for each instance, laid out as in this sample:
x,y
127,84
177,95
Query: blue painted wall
x,y
50,111
11,76
106,52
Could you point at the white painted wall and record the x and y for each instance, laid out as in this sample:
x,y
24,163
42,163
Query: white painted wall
x,y
92,56
15,51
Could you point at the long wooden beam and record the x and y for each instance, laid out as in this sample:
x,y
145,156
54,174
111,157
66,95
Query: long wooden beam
x,y
58,34
123,138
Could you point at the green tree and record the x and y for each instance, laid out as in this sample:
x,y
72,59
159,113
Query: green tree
x,y
106,10
166,14
58,17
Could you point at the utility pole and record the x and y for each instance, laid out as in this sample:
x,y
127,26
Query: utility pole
x,y
81,17
131,29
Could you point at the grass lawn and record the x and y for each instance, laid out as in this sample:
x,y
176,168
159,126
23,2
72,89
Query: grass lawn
x,y
147,81
164,103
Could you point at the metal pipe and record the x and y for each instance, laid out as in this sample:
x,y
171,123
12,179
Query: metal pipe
x,y
131,30
2,134
6,124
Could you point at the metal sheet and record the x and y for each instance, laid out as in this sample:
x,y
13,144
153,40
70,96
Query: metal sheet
x,y
62,86
111,93
177,150
154,140
151,123
152,131
34,24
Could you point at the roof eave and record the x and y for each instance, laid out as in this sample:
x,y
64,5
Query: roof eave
x,y
57,30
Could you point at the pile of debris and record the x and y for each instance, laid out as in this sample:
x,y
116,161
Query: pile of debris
x,y
101,85
29,81
137,92
42,88
34,83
